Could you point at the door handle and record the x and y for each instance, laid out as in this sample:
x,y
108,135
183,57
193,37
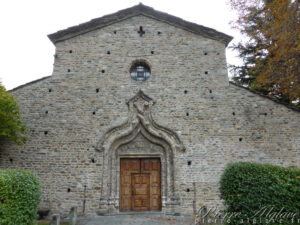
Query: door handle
x,y
132,192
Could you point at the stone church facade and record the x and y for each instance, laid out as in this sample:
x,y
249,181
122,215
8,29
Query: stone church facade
x,y
139,115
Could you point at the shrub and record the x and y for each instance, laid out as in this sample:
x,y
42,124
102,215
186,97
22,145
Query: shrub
x,y
19,197
260,191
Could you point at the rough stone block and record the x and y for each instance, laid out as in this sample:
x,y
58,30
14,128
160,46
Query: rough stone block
x,y
55,219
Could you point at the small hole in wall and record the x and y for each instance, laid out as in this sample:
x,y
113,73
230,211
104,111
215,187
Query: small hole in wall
x,y
115,31
69,189
103,71
187,190
50,90
205,53
46,112
187,114
11,160
158,32
94,113
189,163
70,51
266,114
93,160
152,52
240,139
108,52
206,72
233,113
69,70
97,90
45,132
185,91
210,91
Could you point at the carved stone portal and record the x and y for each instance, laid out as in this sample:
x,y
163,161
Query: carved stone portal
x,y
139,122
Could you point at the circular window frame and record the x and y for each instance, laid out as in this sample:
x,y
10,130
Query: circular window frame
x,y
134,69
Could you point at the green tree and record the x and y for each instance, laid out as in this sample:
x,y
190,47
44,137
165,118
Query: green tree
x,y
11,126
271,49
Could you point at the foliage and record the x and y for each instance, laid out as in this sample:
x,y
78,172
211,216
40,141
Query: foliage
x,y
19,197
10,121
249,187
271,49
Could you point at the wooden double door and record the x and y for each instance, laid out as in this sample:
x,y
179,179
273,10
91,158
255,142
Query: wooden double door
x,y
140,184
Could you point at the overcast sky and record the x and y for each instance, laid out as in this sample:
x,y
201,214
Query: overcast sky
x,y
27,53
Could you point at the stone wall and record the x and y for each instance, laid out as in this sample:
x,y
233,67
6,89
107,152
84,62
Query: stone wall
x,y
69,112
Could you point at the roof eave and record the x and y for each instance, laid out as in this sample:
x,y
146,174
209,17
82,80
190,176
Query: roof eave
x,y
137,10
266,96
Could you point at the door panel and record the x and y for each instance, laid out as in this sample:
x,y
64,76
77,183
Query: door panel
x,y
127,167
140,184
140,192
155,184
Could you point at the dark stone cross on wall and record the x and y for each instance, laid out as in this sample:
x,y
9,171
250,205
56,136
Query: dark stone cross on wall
x,y
141,31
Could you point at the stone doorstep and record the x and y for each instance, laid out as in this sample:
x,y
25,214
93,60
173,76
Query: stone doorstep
x,y
140,213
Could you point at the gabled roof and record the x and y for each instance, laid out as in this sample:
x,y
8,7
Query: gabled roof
x,y
266,96
29,83
136,11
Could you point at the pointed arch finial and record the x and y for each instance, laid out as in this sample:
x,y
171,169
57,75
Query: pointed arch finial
x,y
140,114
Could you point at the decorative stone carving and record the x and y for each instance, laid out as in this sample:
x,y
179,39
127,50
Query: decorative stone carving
x,y
139,121
140,114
